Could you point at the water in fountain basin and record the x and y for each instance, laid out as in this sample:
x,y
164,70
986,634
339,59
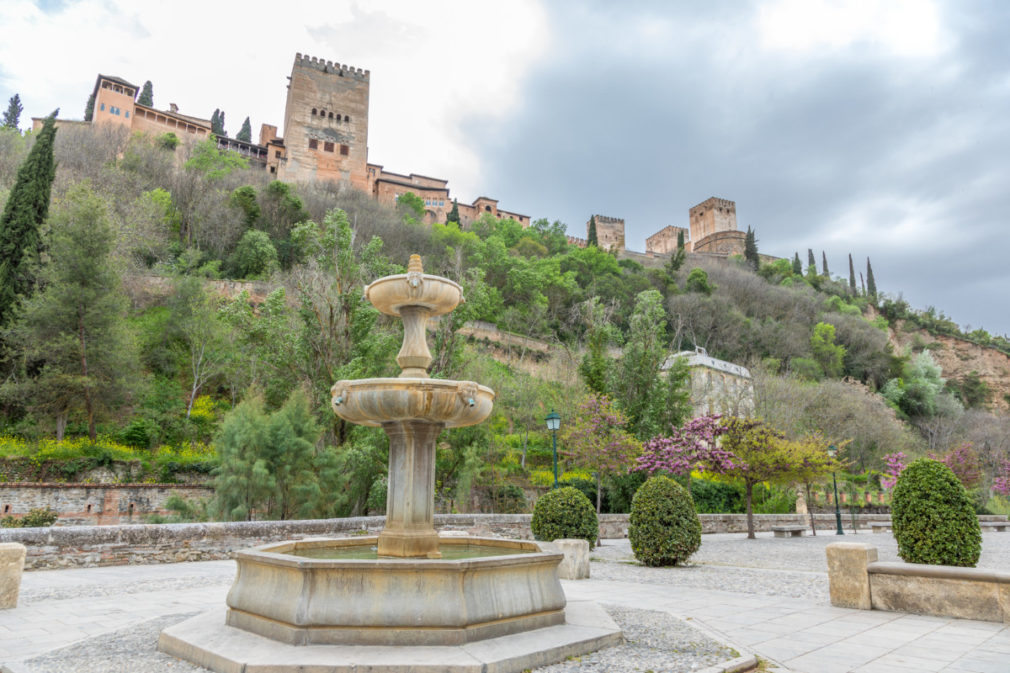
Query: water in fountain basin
x,y
450,552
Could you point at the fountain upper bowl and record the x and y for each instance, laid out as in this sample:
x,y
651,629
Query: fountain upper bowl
x,y
391,293
376,401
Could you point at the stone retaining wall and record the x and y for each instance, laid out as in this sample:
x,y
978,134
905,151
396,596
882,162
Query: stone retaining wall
x,y
81,504
85,546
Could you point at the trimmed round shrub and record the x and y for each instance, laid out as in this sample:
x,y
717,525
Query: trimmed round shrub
x,y
933,517
564,513
664,529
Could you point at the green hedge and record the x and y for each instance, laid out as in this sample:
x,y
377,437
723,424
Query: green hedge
x,y
664,528
933,517
564,513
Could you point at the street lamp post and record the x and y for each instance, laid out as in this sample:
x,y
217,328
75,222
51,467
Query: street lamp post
x,y
553,423
832,452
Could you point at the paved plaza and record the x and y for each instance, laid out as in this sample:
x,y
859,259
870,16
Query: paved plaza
x,y
766,596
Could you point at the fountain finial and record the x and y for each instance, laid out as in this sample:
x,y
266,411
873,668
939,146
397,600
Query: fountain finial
x,y
414,265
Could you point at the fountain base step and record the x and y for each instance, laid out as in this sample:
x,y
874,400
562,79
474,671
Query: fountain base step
x,y
207,641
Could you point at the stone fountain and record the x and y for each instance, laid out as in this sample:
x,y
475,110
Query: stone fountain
x,y
455,603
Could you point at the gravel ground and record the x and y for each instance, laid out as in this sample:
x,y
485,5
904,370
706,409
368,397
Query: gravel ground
x,y
656,642
100,590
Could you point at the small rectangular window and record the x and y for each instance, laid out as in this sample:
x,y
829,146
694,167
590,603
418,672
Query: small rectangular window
x,y
344,150
127,114
313,144
102,107
277,154
328,147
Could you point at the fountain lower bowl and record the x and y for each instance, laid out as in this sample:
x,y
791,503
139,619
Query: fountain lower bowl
x,y
300,600
377,401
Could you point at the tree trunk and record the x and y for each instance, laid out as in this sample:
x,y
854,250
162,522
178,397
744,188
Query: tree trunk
x,y
749,491
810,511
88,405
61,425
597,494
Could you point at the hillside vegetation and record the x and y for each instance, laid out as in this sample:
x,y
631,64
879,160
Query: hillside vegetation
x,y
168,375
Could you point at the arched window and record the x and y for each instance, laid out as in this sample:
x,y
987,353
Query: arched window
x,y
313,111
331,115
322,112
487,208
346,118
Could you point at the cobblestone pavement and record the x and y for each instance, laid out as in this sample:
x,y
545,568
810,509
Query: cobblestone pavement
x,y
767,596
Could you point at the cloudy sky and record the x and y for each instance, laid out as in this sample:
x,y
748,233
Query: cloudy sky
x,y
877,128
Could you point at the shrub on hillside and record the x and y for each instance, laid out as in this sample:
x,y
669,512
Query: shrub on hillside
x,y
664,528
933,517
564,513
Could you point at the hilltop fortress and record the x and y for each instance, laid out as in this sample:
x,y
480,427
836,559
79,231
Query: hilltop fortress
x,y
326,139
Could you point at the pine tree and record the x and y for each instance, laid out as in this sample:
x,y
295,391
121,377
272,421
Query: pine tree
x,y
26,209
824,264
871,285
852,275
591,234
797,265
217,123
245,134
13,114
750,250
146,95
453,215
89,108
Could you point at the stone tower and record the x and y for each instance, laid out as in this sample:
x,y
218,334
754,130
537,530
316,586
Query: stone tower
x,y
710,216
326,123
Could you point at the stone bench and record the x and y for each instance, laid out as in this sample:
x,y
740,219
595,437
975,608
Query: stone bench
x,y
789,531
12,562
998,526
880,527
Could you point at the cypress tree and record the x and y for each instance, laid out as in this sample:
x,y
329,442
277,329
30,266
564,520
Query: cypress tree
x,y
862,282
13,114
871,285
217,123
147,94
750,250
797,265
89,108
591,235
824,264
811,261
453,215
680,240
26,209
245,134
852,275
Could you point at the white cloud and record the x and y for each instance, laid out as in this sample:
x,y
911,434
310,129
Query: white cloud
x,y
910,28
432,63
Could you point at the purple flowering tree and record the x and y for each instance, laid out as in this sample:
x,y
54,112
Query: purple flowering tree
x,y
896,463
597,440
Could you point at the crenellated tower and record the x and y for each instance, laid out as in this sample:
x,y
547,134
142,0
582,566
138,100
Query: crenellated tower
x,y
326,123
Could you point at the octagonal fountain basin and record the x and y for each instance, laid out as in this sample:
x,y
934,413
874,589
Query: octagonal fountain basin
x,y
377,401
481,588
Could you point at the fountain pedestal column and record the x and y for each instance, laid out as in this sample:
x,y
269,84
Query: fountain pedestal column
x,y
410,499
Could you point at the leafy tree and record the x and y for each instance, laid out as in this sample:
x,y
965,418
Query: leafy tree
x,y
915,393
973,391
146,95
597,365
829,356
245,133
254,256
411,206
269,465
12,116
598,442
73,330
852,276
214,163
26,209
797,265
871,284
652,403
203,337
89,108
697,281
591,234
217,123
244,198
750,250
